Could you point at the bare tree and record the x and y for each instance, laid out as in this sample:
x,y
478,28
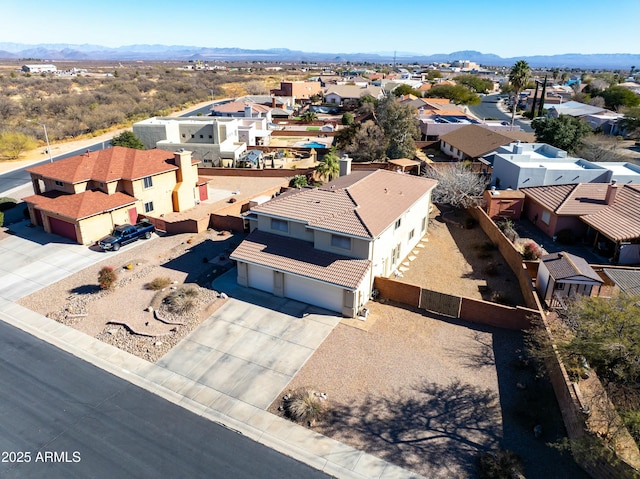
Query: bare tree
x,y
458,185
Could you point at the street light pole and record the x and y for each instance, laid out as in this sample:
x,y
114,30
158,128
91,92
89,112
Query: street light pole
x,y
46,138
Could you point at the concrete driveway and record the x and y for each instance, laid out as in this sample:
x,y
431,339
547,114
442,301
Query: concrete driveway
x,y
252,346
31,259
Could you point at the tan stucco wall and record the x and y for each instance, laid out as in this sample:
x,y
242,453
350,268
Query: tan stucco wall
x,y
160,193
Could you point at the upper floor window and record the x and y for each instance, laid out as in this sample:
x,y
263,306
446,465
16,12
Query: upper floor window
x,y
398,223
147,182
340,242
411,234
279,225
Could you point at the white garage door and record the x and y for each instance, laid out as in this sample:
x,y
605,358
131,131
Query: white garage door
x,y
260,278
313,292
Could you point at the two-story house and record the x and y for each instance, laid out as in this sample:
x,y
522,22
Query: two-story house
x,y
324,246
83,197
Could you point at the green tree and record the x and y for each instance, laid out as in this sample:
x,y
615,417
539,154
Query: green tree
x,y
13,144
631,122
400,127
458,94
329,167
404,89
308,116
564,132
518,78
347,118
618,96
474,83
298,181
128,140
368,143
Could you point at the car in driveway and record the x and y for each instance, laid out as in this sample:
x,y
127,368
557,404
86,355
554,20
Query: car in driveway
x,y
125,234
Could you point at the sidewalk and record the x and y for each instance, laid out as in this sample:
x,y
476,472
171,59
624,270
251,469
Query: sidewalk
x,y
320,452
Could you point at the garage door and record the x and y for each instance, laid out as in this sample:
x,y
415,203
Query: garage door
x,y
63,228
260,278
313,292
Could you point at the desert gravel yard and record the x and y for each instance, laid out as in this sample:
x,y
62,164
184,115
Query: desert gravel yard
x,y
457,260
185,260
428,394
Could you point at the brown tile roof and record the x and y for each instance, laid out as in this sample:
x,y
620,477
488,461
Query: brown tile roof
x,y
361,204
301,258
475,140
621,220
570,200
567,266
628,280
108,165
80,205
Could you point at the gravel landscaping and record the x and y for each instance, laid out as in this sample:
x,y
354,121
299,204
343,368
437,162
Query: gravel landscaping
x,y
185,260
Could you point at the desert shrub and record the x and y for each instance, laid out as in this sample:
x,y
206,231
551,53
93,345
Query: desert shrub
x,y
508,229
491,269
305,406
107,278
158,283
500,298
181,300
566,236
500,464
531,251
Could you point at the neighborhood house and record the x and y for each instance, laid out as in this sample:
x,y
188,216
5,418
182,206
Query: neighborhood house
x,y
83,197
325,245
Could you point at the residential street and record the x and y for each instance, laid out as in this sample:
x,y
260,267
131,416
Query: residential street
x,y
101,426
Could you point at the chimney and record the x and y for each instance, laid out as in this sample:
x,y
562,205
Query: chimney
x,y
247,111
273,102
612,191
345,165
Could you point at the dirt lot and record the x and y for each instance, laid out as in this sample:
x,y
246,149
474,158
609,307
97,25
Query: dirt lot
x,y
457,260
186,260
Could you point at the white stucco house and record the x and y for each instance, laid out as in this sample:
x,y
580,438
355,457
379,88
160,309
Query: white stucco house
x,y
324,246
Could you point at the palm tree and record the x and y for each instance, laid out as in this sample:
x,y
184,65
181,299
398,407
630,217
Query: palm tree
x,y
308,117
329,166
518,77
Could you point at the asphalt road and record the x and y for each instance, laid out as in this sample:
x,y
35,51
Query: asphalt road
x,y
70,419
489,109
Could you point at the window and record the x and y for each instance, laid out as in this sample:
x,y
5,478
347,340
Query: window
x,y
398,223
424,224
201,136
560,286
279,225
148,207
546,217
340,241
411,234
59,183
147,182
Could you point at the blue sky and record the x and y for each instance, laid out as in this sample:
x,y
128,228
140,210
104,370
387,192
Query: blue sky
x,y
505,27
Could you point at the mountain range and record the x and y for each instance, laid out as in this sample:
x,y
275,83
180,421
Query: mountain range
x,y
58,51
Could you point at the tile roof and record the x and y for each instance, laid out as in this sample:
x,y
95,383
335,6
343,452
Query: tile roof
x,y
628,280
567,266
108,165
361,204
572,200
301,258
621,220
80,205
475,140
353,91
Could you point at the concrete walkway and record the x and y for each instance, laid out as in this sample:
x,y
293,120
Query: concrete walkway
x,y
219,372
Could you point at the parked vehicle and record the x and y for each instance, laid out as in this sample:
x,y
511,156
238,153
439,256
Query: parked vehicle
x,y
125,234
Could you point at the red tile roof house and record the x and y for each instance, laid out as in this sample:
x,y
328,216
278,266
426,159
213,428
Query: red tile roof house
x,y
83,197
324,246
606,216
563,275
